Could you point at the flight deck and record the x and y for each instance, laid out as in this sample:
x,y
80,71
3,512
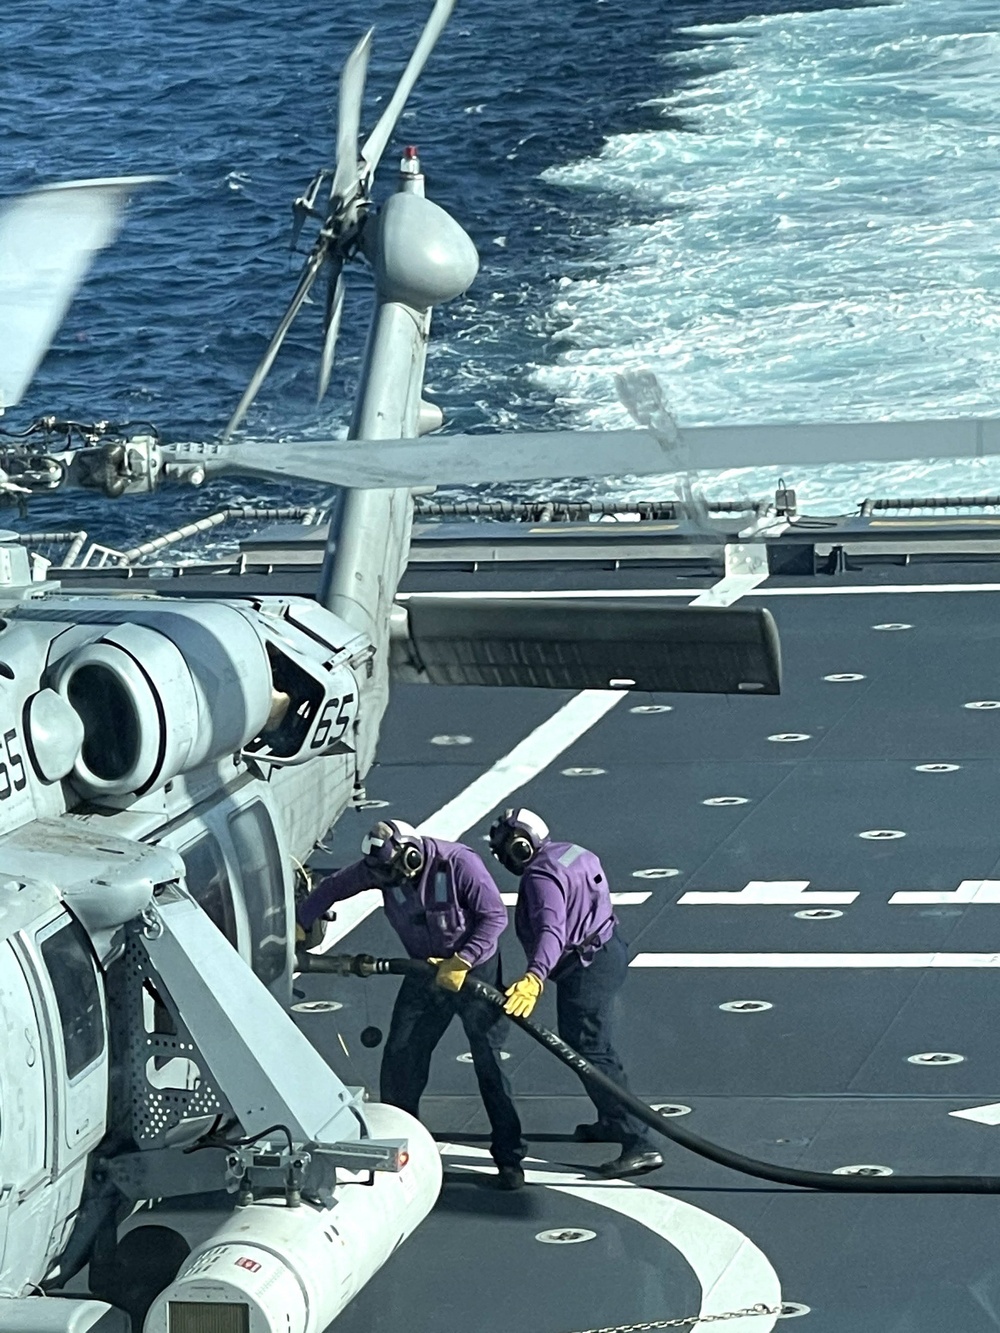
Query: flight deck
x,y
810,888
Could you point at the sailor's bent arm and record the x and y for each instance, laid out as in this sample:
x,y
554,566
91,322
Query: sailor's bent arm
x,y
480,899
546,909
333,889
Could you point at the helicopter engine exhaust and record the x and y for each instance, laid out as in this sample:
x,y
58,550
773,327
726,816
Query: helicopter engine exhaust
x,y
180,686
271,1268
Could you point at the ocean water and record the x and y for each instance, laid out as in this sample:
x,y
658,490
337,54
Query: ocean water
x,y
786,212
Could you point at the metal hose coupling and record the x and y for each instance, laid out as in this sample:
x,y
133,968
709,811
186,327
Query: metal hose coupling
x,y
357,964
364,965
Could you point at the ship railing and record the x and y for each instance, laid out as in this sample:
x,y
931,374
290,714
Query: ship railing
x,y
100,556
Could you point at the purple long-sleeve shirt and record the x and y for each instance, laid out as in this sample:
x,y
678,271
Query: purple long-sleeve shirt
x,y
452,907
563,905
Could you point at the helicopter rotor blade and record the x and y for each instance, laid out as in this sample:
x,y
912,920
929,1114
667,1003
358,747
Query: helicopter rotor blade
x,y
334,311
48,240
310,272
374,146
352,91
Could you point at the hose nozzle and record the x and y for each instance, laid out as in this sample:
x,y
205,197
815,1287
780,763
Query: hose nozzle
x,y
340,964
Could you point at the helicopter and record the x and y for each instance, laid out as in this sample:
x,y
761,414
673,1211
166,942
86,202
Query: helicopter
x,y
164,761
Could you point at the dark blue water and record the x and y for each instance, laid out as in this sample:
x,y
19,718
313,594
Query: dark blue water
x,y
237,103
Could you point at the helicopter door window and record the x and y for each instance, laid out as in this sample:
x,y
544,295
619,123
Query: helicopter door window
x,y
67,957
262,874
208,883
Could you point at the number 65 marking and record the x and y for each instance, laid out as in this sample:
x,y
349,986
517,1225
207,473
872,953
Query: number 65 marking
x,y
335,712
13,764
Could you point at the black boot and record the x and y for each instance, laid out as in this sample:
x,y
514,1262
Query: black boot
x,y
510,1177
632,1162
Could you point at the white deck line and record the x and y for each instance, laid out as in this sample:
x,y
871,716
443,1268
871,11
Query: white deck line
x,y
815,960
732,1271
687,592
617,899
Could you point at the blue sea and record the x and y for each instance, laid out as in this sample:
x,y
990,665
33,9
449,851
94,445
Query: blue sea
x,y
786,212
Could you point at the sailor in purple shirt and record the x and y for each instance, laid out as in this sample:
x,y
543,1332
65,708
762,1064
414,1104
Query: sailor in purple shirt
x,y
569,934
443,904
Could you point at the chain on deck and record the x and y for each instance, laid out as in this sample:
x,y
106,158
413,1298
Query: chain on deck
x,y
689,1321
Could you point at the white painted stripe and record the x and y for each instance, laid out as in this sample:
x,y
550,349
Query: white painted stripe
x,y
686,592
985,1115
524,762
514,770
730,589
889,588
732,1272
617,899
816,960
768,893
969,891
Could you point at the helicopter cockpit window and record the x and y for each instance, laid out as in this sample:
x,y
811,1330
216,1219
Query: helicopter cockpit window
x,y
208,883
263,889
67,956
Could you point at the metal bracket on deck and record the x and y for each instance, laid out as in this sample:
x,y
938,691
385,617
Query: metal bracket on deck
x,y
746,567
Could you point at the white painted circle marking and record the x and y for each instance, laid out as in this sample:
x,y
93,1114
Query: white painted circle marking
x,y
656,872
937,768
727,800
732,1271
893,624
863,1170
983,704
565,1236
746,1006
317,1007
451,740
652,708
818,913
466,1057
935,1058
370,803
582,772
881,834
790,736
844,676
670,1109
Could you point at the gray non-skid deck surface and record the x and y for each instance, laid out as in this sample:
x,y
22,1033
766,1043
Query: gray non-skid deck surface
x,y
822,1078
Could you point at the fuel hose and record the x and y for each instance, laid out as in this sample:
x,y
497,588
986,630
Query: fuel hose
x,y
364,965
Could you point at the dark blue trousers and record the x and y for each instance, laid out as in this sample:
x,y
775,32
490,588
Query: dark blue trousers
x,y
420,1018
586,999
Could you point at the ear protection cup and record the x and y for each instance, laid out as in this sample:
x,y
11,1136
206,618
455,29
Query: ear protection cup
x,y
519,849
413,860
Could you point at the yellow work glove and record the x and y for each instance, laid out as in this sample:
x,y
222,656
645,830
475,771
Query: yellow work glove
x,y
300,934
451,972
522,996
